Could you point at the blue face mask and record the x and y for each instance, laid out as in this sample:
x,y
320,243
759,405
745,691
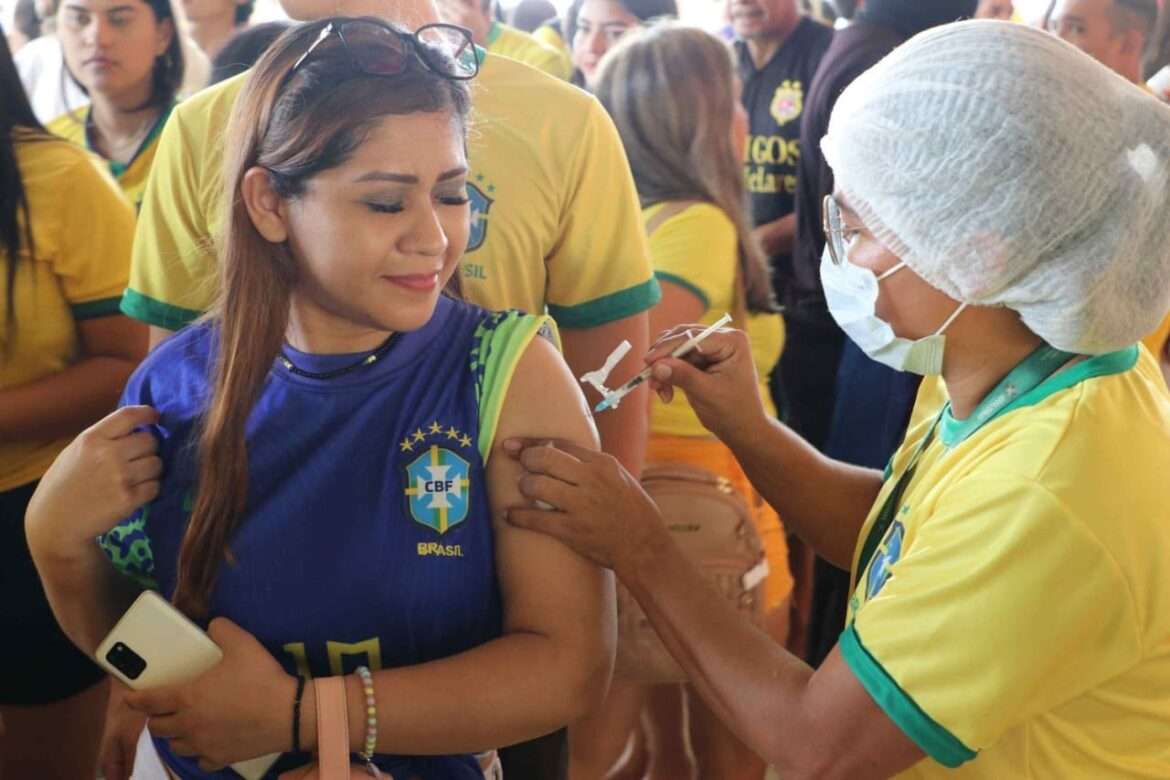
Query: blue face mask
x,y
852,292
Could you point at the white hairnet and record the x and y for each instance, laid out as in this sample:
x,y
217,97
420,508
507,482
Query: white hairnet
x,y
1007,168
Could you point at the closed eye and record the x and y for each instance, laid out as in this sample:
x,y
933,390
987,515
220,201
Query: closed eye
x,y
384,208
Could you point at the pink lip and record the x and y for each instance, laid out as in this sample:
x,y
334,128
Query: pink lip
x,y
415,282
100,62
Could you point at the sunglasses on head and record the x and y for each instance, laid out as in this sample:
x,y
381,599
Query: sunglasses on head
x,y
377,49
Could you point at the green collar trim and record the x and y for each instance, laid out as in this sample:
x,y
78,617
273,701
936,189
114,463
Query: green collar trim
x,y
954,432
117,168
494,33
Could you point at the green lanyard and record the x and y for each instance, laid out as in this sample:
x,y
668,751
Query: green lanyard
x,y
1027,376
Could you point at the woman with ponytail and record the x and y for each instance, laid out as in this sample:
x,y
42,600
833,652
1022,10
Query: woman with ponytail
x,y
331,492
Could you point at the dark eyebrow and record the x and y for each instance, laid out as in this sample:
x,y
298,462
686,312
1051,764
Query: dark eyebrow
x,y
405,178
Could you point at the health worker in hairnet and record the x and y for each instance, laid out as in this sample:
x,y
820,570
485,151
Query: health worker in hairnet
x,y
1001,220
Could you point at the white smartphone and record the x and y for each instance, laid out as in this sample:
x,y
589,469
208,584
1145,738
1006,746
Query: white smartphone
x,y
154,644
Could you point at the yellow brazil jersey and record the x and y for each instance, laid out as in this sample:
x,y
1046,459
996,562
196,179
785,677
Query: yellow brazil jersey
x,y
131,176
551,37
1014,617
524,47
82,227
554,211
697,249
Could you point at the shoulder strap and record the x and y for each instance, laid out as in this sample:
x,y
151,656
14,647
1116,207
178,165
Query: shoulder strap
x,y
672,209
332,728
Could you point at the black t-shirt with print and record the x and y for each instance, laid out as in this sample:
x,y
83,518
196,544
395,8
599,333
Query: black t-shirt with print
x,y
774,99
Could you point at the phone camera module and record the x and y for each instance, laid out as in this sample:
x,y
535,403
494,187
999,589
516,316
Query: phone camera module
x,y
126,661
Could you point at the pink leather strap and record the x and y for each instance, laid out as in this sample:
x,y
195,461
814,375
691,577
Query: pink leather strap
x,y
332,728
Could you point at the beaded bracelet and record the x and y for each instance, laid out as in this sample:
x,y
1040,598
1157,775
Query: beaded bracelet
x,y
367,681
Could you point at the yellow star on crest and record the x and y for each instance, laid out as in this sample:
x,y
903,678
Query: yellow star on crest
x,y
452,433
436,428
419,435
465,441
406,445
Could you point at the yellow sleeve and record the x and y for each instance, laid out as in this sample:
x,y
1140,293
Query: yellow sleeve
x,y
173,275
600,269
1002,607
92,256
527,48
697,249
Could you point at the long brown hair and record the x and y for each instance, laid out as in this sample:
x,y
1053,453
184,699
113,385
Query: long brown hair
x,y
669,91
294,127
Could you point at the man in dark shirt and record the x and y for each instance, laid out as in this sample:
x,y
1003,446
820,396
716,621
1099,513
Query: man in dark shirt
x,y
778,51
869,404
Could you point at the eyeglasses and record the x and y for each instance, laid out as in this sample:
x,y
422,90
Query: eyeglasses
x,y
835,229
377,49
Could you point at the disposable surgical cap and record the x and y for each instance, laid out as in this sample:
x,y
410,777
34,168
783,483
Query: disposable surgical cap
x,y
1007,168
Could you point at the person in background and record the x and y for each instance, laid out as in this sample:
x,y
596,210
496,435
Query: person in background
x,y
127,57
870,402
65,354
244,48
994,9
214,22
529,15
54,91
778,51
596,25
1157,57
503,39
1113,32
26,25
685,138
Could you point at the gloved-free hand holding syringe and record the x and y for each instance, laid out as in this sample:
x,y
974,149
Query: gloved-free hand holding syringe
x,y
612,398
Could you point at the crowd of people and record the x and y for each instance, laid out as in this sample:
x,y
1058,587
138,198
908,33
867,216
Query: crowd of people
x,y
311,327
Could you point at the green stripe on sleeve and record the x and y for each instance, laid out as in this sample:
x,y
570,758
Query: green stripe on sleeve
x,y
608,308
94,309
935,741
500,343
666,276
157,313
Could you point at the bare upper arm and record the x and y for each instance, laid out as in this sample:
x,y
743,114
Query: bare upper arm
x,y
115,336
847,735
677,307
623,429
547,588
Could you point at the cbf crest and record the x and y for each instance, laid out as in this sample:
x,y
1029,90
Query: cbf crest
x,y
438,480
787,102
481,206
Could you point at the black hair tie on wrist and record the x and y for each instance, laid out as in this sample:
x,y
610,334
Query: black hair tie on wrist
x,y
296,718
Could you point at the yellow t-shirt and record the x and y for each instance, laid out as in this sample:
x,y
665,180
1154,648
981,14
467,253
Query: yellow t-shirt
x,y
131,177
524,47
551,37
554,210
1015,618
697,249
82,227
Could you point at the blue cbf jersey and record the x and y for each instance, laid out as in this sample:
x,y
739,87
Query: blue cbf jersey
x,y
367,537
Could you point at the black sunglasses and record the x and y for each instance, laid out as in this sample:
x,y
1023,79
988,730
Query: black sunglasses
x,y
378,49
